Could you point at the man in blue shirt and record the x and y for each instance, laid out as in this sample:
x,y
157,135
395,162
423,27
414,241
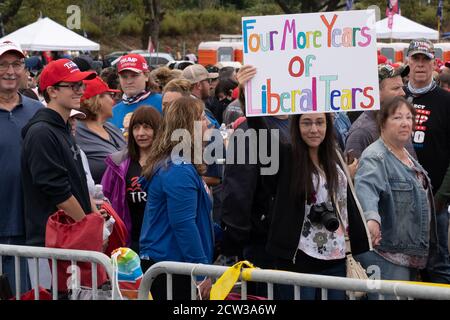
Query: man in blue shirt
x,y
15,111
133,76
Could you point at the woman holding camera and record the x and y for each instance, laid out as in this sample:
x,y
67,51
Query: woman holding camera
x,y
313,204
396,197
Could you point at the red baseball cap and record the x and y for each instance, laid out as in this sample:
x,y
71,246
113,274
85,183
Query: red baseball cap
x,y
133,62
381,59
62,70
95,87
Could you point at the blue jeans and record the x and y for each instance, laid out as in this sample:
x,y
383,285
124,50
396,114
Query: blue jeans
x,y
286,292
8,266
308,293
438,268
387,271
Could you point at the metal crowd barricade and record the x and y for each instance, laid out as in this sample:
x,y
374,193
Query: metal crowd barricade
x,y
297,280
53,254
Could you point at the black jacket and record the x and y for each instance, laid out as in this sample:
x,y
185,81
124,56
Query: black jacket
x,y
288,215
52,171
246,199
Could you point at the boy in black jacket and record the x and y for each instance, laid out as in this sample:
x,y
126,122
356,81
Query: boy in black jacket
x,y
52,172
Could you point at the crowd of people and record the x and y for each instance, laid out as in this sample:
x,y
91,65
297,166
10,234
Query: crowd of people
x,y
380,179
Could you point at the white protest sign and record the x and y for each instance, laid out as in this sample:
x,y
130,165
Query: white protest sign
x,y
316,62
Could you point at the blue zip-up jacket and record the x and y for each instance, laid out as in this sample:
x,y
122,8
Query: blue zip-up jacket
x,y
391,194
177,223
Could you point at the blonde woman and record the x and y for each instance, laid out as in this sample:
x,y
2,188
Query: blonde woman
x,y
173,90
177,223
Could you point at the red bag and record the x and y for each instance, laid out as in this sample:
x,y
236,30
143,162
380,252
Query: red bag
x,y
44,294
87,234
118,237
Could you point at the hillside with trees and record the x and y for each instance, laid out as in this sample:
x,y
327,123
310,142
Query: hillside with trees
x,y
179,25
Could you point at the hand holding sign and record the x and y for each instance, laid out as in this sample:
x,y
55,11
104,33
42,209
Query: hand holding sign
x,y
245,73
308,63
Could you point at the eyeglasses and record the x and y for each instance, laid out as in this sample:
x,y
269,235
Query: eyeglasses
x,y
208,80
17,66
75,86
308,124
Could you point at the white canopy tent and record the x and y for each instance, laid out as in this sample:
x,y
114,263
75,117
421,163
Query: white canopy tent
x,y
47,35
403,28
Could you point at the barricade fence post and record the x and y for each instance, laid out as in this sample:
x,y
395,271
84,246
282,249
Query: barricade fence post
x,y
34,254
400,289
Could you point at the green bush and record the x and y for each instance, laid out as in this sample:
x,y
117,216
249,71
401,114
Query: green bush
x,y
130,25
92,29
171,25
262,9
204,21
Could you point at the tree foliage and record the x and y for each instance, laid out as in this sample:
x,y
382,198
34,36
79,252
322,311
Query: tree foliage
x,y
105,20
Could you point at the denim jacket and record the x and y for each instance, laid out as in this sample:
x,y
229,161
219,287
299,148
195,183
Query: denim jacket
x,y
391,194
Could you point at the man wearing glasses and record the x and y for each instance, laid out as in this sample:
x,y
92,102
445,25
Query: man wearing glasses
x,y
15,111
52,170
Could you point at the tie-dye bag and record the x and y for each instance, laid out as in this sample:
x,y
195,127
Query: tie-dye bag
x,y
127,272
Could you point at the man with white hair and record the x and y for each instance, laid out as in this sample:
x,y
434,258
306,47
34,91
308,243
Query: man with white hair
x,y
15,111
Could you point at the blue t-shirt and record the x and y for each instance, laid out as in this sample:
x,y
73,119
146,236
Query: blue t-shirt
x,y
11,195
121,109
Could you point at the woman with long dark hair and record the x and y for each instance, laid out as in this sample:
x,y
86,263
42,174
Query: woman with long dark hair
x,y
123,168
313,204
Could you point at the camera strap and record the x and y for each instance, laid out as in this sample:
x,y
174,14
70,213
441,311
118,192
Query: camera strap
x,y
348,247
352,189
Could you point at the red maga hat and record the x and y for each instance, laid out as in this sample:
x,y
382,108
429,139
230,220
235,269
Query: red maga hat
x,y
134,62
62,70
95,87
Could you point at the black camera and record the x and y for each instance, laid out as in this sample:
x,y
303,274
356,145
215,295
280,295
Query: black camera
x,y
324,214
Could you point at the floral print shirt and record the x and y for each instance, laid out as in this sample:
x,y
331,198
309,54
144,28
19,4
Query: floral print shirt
x,y
315,240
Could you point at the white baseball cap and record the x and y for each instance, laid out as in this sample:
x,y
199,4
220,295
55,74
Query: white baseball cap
x,y
77,114
10,46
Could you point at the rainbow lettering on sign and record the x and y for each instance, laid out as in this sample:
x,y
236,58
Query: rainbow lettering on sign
x,y
305,99
335,37
301,43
